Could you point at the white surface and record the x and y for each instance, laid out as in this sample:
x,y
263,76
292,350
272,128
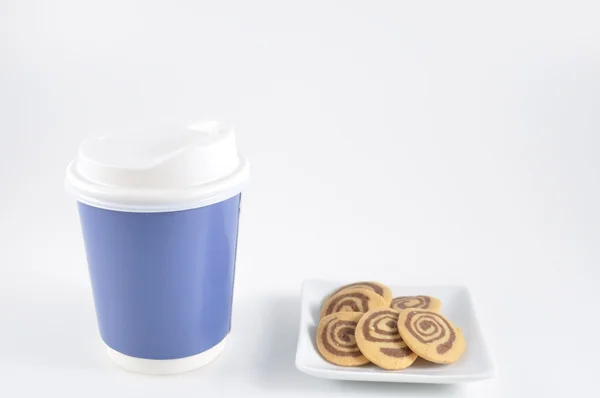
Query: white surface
x,y
476,363
163,168
165,366
438,142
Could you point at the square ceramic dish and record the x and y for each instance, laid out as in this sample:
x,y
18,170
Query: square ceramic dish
x,y
476,363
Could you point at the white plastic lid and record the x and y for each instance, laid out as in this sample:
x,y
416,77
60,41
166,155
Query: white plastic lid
x,y
164,169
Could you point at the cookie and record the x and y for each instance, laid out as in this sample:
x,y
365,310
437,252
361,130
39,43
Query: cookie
x,y
377,287
336,341
378,339
353,300
431,336
421,302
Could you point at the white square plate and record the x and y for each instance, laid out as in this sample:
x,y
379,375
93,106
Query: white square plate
x,y
476,363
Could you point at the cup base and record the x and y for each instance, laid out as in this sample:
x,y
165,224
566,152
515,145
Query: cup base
x,y
165,366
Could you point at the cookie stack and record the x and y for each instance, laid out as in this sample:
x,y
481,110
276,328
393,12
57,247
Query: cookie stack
x,y
362,323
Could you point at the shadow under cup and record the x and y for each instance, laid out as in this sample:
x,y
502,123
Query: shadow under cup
x,y
162,282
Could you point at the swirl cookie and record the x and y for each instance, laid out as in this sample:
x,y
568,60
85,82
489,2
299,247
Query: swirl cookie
x,y
336,341
352,300
378,339
421,302
431,336
377,287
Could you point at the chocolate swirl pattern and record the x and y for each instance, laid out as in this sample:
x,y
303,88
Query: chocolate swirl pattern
x,y
377,287
336,340
422,302
352,300
431,335
378,338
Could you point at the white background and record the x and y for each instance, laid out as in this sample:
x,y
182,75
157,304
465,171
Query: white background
x,y
407,142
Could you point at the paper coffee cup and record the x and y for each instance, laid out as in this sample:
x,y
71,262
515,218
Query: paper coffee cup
x,y
159,211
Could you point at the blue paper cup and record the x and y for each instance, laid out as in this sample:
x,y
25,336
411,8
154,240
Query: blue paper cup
x,y
161,268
